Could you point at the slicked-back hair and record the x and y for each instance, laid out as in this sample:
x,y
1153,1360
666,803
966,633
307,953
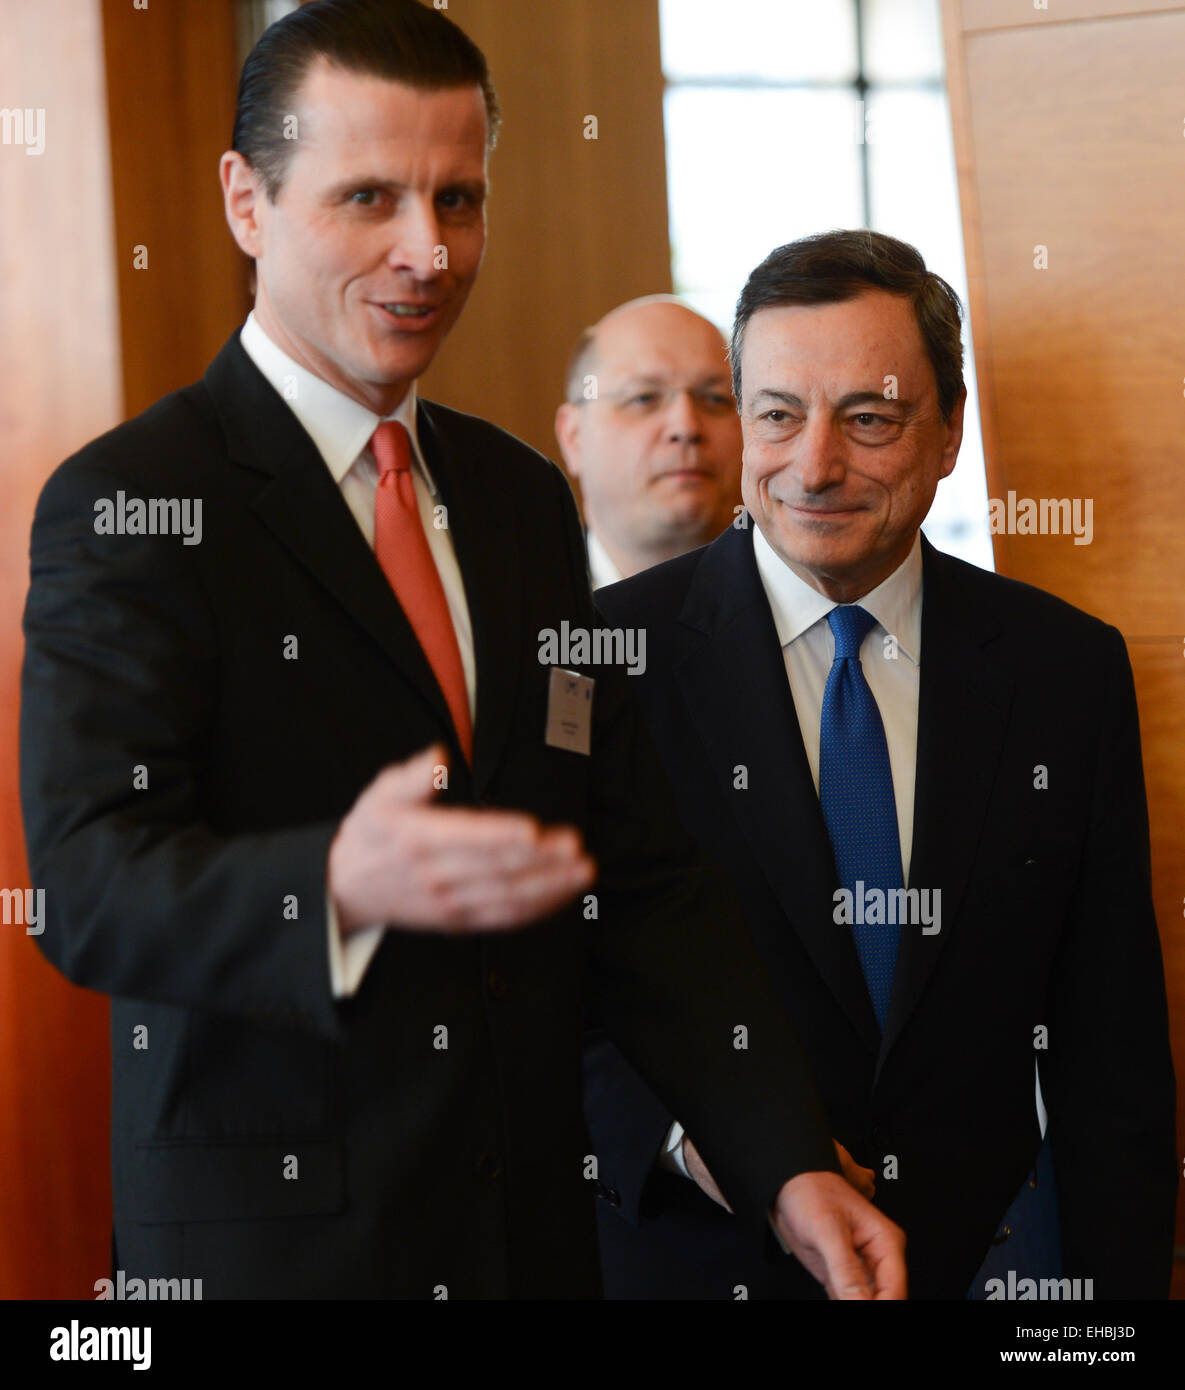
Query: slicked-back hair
x,y
833,267
400,40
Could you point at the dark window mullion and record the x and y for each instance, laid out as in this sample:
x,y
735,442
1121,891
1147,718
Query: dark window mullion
x,y
861,85
803,84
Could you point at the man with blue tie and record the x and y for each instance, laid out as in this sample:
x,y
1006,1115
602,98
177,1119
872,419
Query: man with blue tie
x,y
925,782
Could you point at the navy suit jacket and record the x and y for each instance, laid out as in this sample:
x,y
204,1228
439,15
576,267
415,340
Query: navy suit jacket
x,y
1048,946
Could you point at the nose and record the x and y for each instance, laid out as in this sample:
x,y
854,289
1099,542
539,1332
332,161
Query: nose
x,y
818,455
684,424
415,239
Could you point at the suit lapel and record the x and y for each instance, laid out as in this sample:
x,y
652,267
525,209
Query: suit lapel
x,y
963,707
299,502
484,523
728,644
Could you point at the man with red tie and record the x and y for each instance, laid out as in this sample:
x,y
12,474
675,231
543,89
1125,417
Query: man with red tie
x,y
306,802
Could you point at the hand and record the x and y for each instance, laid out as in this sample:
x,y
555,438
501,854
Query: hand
x,y
699,1171
862,1179
852,1249
399,860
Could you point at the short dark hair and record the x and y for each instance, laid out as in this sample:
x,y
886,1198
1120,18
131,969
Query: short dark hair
x,y
836,266
400,40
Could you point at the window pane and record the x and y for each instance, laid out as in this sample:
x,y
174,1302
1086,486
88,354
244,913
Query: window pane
x,y
252,17
751,170
773,40
902,40
915,197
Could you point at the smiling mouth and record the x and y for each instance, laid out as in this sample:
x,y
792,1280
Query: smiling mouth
x,y
410,312
822,513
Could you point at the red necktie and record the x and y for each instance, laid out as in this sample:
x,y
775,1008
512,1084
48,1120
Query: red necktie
x,y
402,549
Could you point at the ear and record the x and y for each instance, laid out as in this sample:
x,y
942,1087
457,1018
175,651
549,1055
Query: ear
x,y
567,432
954,435
243,195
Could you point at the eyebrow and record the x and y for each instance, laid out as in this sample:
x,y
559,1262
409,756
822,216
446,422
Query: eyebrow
x,y
852,398
654,379
475,188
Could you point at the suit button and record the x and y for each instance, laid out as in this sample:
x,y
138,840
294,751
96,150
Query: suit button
x,y
487,1166
877,1134
496,984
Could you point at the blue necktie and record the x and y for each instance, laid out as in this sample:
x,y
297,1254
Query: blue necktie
x,y
856,796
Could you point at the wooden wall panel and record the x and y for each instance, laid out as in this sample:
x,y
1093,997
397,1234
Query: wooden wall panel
x,y
1068,136
172,73
1003,14
59,364
1077,151
576,225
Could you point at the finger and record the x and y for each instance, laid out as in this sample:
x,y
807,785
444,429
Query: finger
x,y
415,779
883,1254
862,1179
458,831
844,1274
499,903
543,889
459,861
846,1279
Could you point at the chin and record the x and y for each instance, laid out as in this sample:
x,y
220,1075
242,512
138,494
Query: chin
x,y
392,368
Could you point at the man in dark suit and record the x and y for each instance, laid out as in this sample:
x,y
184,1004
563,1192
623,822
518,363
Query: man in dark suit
x,y
289,751
925,780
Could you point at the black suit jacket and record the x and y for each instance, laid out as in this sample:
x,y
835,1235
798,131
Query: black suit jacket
x,y
1046,923
265,1137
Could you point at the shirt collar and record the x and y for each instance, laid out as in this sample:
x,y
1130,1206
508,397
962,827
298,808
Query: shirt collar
x,y
896,603
601,568
339,426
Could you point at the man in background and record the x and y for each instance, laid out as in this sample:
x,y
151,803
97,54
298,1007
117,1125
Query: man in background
x,y
925,781
649,430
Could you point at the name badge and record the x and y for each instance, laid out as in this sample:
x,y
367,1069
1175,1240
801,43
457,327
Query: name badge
x,y
569,711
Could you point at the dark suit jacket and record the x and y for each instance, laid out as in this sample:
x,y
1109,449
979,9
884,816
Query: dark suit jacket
x,y
1046,923
265,1137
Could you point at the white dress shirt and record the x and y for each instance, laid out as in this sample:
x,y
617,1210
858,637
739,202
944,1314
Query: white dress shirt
x,y
601,568
890,667
341,429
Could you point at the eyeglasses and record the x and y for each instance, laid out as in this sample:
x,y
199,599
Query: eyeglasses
x,y
654,400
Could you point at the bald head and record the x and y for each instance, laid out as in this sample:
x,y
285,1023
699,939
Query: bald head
x,y
649,430
653,318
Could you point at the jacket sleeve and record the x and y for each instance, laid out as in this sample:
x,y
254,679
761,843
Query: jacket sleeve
x,y
627,1123
676,982
144,898
1108,1076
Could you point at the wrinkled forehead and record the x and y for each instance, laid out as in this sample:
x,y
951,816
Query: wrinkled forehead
x,y
829,350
